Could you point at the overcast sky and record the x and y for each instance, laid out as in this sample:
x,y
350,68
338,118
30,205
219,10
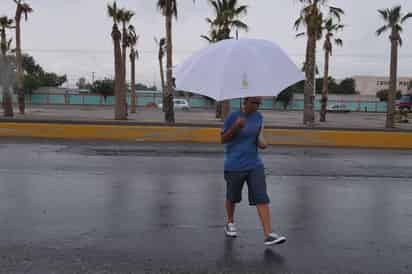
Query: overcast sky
x,y
73,37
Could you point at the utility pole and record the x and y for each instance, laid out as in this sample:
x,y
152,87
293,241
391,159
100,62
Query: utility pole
x,y
93,77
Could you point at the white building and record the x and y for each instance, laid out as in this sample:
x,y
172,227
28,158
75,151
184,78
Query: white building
x,y
370,85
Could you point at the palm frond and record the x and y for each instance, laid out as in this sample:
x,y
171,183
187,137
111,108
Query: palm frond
x,y
298,23
406,17
6,22
384,14
206,38
336,12
125,15
240,25
339,42
241,10
26,9
382,30
9,44
168,7
174,8
113,11
394,15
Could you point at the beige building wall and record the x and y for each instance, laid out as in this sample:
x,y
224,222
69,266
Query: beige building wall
x,y
370,85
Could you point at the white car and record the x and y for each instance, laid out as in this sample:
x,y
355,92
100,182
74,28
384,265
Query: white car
x,y
342,108
178,104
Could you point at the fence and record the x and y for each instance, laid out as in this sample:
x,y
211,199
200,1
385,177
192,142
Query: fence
x,y
195,102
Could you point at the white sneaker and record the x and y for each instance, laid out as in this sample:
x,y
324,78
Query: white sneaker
x,y
274,239
230,230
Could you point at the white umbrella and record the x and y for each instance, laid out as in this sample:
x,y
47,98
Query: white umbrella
x,y
237,69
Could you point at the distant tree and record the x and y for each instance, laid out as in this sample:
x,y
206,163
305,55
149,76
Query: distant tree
x,y
104,87
383,95
30,66
347,86
31,83
285,97
81,83
52,80
140,86
35,76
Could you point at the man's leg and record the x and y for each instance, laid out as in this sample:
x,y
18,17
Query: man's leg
x,y
230,210
258,196
264,215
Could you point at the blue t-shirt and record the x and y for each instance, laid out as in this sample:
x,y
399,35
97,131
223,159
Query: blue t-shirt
x,y
241,153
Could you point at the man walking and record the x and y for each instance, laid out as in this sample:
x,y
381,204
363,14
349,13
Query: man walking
x,y
241,136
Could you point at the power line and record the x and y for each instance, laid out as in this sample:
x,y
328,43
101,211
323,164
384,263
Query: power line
x,y
100,51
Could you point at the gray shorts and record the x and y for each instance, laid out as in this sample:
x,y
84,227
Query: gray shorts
x,y
256,182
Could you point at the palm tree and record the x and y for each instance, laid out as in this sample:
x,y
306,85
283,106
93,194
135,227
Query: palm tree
x,y
168,9
227,14
21,8
311,16
227,19
394,19
125,16
5,23
120,107
213,36
134,54
162,48
330,27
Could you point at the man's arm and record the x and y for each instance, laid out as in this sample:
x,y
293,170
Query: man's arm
x,y
229,134
262,144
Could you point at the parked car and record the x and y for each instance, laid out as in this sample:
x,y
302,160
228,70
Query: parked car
x,y
405,103
338,108
178,104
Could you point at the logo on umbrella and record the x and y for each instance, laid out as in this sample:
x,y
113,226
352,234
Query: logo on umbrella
x,y
245,82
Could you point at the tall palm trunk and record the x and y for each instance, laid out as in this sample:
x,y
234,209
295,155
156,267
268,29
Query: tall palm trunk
x,y
118,86
169,110
223,107
7,103
20,77
124,54
309,96
390,117
162,79
219,110
133,79
325,87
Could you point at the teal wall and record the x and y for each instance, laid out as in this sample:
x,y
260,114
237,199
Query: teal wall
x,y
195,102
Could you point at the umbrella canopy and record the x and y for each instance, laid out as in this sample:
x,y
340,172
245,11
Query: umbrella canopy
x,y
237,69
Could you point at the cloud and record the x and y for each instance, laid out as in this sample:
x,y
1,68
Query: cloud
x,y
73,37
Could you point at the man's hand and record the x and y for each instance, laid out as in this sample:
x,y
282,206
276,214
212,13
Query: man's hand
x,y
240,123
230,133
261,142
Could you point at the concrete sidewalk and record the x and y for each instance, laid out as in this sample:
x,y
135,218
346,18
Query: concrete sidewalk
x,y
202,127
355,120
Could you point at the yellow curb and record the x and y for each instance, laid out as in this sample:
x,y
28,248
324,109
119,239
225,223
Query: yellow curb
x,y
140,133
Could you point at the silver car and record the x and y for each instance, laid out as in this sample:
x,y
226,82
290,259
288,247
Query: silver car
x,y
178,104
338,108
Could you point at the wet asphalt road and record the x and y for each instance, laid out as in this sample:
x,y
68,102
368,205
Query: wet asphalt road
x,y
68,207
